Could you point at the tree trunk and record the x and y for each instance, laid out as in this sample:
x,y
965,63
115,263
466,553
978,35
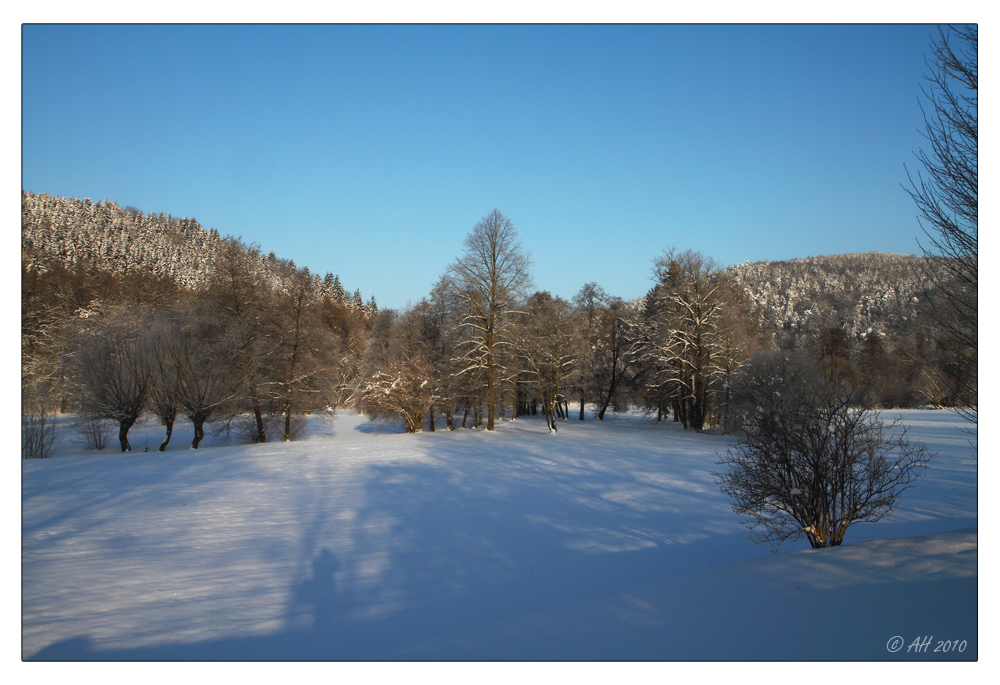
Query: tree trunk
x,y
698,405
123,427
447,416
611,393
254,400
291,370
170,429
546,406
199,432
581,405
491,398
431,417
261,434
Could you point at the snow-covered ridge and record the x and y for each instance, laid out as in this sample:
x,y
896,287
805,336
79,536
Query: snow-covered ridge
x,y
67,230
858,292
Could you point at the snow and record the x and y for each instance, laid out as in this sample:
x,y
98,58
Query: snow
x,y
608,541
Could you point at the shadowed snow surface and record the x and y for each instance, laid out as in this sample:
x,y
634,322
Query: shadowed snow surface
x,y
609,540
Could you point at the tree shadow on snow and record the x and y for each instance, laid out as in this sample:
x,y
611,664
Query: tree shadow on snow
x,y
484,549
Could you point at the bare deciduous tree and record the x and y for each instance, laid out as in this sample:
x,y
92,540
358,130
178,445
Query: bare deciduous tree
x,y
306,350
93,432
193,348
679,338
612,352
545,346
438,315
241,297
589,303
113,369
491,276
948,198
808,464
163,393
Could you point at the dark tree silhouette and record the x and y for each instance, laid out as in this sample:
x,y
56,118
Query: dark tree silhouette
x,y
948,197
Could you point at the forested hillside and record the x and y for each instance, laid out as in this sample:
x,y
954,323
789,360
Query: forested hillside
x,y
858,293
125,314
69,231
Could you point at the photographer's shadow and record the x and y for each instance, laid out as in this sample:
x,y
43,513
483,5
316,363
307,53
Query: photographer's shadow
x,y
314,600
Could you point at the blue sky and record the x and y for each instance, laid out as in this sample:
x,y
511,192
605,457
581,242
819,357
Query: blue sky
x,y
371,151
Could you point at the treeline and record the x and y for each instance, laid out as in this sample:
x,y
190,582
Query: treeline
x,y
483,344
260,343
249,351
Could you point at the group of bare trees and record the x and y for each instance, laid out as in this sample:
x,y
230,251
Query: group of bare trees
x,y
264,341
250,353
484,343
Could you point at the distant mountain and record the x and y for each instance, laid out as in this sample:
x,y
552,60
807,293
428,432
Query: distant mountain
x,y
859,293
69,230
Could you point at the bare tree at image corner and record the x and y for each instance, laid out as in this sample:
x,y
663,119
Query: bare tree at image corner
x,y
491,276
948,200
808,464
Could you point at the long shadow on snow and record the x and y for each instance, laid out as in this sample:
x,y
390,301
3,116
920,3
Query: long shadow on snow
x,y
150,478
460,543
451,545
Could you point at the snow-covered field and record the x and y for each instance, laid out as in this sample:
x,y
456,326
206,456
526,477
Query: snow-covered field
x,y
607,541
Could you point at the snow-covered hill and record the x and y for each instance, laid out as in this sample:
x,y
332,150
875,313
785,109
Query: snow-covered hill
x,y
859,293
119,240
609,540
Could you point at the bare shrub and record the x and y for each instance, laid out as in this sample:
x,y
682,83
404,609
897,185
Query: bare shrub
x,y
94,432
809,464
245,427
38,428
